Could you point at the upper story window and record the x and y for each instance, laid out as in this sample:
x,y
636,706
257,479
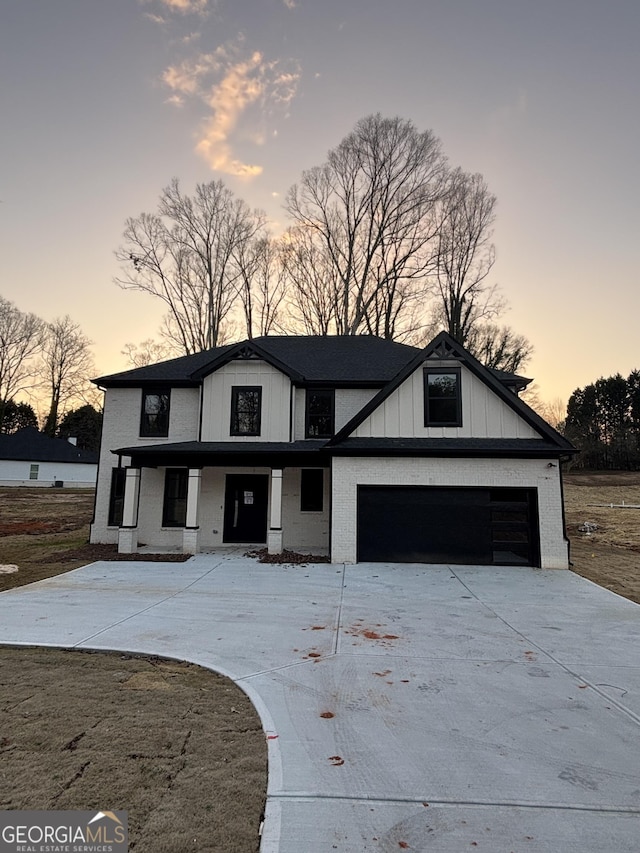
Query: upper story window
x,y
319,420
246,406
442,400
154,420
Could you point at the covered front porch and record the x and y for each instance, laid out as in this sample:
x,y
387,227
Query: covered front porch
x,y
195,497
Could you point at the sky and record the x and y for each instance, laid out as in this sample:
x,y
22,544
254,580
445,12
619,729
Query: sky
x,y
103,103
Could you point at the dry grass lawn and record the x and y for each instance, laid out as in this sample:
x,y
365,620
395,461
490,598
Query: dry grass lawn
x,y
178,747
610,556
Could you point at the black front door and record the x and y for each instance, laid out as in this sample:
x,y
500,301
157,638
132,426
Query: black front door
x,y
245,508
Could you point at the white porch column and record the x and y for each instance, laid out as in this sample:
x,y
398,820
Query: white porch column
x,y
274,537
128,533
191,530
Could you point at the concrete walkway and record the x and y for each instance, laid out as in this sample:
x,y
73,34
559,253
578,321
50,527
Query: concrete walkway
x,y
407,707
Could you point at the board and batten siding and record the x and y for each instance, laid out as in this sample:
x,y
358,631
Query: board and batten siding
x,y
276,401
484,415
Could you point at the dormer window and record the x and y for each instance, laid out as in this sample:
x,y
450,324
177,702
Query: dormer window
x,y
442,400
246,405
319,421
154,419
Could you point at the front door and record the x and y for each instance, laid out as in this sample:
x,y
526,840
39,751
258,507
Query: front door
x,y
245,508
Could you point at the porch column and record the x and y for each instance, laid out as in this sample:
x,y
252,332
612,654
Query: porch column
x,y
191,530
128,533
274,537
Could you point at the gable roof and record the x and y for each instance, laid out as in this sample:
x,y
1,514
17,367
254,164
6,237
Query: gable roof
x,y
337,360
31,445
444,347
359,360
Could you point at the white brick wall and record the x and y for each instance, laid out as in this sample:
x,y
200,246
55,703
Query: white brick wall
x,y
304,531
349,472
121,428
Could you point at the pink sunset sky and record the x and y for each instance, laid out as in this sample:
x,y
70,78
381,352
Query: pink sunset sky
x,y
103,103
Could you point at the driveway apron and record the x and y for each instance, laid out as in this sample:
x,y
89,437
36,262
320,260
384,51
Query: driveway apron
x,y
406,707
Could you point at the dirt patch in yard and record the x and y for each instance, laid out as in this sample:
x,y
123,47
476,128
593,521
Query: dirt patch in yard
x,y
45,532
610,554
178,747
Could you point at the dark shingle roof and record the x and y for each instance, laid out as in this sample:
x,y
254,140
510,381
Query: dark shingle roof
x,y
358,360
349,359
31,445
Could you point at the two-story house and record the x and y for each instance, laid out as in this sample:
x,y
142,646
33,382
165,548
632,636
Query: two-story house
x,y
359,447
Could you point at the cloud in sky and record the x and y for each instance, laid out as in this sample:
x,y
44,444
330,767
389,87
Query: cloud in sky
x,y
186,6
230,84
290,4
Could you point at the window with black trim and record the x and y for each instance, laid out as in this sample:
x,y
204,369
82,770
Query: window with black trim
x,y
116,496
320,409
442,400
154,419
174,504
312,490
246,405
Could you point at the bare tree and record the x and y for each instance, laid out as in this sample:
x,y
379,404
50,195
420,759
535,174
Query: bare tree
x,y
465,256
148,352
312,282
21,337
262,284
371,208
498,347
67,365
187,256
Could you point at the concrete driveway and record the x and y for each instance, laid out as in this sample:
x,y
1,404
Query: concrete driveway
x,y
407,707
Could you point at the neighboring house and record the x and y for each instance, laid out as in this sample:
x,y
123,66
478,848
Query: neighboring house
x,y
359,447
31,458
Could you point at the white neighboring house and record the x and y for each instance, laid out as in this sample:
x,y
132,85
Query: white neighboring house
x,y
31,458
358,447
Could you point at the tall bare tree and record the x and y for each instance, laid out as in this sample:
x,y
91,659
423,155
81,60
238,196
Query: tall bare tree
x,y
21,337
67,365
187,255
312,282
465,256
371,207
262,284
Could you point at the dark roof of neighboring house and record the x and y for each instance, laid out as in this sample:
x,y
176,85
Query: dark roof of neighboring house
x,y
357,360
30,445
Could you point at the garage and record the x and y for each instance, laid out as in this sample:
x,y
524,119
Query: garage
x,y
468,526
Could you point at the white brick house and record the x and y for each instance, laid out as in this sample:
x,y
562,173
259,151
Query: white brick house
x,y
359,447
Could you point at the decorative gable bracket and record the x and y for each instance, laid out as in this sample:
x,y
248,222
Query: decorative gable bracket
x,y
443,350
246,353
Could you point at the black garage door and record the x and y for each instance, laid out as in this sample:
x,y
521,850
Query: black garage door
x,y
415,524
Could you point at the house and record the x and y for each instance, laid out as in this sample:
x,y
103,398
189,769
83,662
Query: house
x,y
31,458
359,447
